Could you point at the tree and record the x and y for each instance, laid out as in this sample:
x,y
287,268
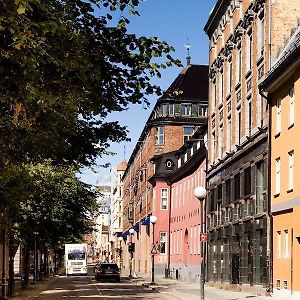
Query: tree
x,y
63,70
54,203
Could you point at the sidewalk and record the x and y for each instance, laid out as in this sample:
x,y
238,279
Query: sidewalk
x,y
191,290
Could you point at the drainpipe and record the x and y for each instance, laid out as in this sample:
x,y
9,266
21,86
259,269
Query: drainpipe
x,y
269,214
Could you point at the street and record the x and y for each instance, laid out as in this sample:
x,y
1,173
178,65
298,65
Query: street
x,y
78,287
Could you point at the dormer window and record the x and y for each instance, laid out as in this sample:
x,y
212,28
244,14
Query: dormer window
x,y
186,109
164,110
187,132
171,109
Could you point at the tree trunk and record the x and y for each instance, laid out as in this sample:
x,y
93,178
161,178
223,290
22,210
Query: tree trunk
x,y
11,274
26,266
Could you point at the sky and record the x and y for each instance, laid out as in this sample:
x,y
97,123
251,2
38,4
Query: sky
x,y
179,22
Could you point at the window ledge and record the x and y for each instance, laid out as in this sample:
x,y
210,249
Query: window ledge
x,y
289,190
276,195
291,126
276,135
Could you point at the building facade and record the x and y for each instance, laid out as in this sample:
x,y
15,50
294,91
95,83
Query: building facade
x,y
175,117
116,214
180,214
245,36
282,87
100,236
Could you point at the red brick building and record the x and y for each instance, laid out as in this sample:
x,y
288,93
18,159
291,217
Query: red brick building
x,y
174,119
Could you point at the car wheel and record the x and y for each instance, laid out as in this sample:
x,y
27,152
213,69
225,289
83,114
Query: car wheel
x,y
118,279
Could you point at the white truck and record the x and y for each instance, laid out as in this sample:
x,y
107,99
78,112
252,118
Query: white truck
x,y
76,259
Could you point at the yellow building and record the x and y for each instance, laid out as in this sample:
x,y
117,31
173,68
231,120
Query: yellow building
x,y
282,86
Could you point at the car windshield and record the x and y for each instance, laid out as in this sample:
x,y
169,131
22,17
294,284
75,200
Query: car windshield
x,y
76,256
109,266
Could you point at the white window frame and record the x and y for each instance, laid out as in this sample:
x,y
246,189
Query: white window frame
x,y
278,116
260,36
292,106
163,240
277,176
286,243
186,109
191,240
291,169
278,244
159,135
171,109
164,199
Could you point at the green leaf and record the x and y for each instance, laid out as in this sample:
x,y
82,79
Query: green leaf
x,y
21,9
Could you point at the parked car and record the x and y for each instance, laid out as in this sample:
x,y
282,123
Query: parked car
x,y
107,271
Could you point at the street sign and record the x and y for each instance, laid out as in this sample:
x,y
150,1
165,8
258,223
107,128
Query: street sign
x,y
203,237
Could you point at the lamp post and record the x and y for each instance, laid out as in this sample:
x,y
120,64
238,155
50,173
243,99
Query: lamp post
x,y
200,194
112,248
153,220
131,231
120,239
35,259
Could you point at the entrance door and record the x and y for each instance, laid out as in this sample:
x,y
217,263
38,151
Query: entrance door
x,y
185,247
235,268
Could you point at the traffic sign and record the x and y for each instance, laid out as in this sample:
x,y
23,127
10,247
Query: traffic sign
x,y
203,237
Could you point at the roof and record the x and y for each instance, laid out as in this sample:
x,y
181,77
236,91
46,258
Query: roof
x,y
122,166
190,84
288,58
194,77
215,16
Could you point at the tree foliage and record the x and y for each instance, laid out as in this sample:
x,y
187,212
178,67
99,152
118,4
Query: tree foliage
x,y
63,69
53,202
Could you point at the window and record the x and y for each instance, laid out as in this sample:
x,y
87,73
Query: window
x,y
213,94
171,109
213,147
278,244
238,64
248,51
191,240
227,191
221,87
164,110
229,76
278,117
162,242
260,37
286,243
247,181
249,118
159,135
220,143
187,132
277,187
164,199
201,110
186,109
228,134
238,127
292,106
291,170
237,187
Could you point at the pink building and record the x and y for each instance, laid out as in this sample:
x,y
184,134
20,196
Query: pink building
x,y
178,211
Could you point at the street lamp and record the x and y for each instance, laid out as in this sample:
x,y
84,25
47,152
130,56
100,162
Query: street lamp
x,y
120,239
200,193
153,220
131,231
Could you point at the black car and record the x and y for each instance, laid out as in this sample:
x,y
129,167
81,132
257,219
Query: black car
x,y
107,271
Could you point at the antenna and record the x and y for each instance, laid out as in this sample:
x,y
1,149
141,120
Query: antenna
x,y
188,47
124,149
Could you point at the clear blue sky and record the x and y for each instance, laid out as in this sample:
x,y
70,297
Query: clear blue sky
x,y
174,21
